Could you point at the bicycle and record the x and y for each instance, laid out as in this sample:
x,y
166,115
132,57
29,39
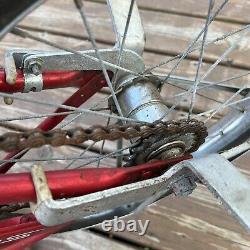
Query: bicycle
x,y
158,157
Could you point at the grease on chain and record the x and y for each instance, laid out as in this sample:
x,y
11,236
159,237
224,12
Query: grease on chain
x,y
36,138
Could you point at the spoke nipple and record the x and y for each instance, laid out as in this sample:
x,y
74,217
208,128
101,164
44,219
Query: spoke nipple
x,y
8,100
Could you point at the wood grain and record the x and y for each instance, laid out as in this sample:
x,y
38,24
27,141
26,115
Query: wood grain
x,y
186,69
234,12
165,33
197,222
74,241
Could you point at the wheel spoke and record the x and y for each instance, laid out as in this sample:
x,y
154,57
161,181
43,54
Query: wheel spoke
x,y
197,76
24,34
80,155
103,143
225,54
198,47
86,111
225,104
80,7
94,158
121,46
107,155
212,17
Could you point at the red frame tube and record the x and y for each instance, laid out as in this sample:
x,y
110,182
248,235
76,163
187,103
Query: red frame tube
x,y
22,231
19,187
66,183
51,80
89,86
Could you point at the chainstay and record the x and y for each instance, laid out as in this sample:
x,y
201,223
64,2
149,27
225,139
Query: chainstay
x,y
12,141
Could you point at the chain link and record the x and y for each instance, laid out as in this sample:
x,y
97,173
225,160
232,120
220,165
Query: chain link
x,y
36,138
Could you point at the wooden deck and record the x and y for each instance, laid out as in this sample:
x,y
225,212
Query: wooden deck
x,y
196,222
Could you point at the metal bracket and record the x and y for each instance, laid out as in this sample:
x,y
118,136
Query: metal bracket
x,y
32,82
47,61
51,212
119,10
33,79
222,179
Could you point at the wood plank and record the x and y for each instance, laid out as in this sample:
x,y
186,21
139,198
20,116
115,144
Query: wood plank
x,y
46,152
166,33
186,69
80,240
234,11
195,222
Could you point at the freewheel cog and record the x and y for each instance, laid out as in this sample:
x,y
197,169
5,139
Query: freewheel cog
x,y
184,137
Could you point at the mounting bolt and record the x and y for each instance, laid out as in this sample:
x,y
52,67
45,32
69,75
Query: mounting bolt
x,y
35,67
184,186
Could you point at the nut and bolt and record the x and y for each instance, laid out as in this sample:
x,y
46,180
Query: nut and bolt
x,y
35,67
168,150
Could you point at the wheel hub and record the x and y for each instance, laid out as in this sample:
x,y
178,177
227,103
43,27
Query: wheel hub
x,y
168,150
164,146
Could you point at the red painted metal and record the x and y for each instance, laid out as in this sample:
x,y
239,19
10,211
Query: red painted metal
x,y
87,90
19,187
22,231
51,80
77,99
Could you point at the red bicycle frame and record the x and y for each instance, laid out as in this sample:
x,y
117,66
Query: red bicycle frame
x,y
21,231
89,83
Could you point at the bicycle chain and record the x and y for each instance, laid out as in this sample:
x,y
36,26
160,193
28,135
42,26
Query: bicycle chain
x,y
13,141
